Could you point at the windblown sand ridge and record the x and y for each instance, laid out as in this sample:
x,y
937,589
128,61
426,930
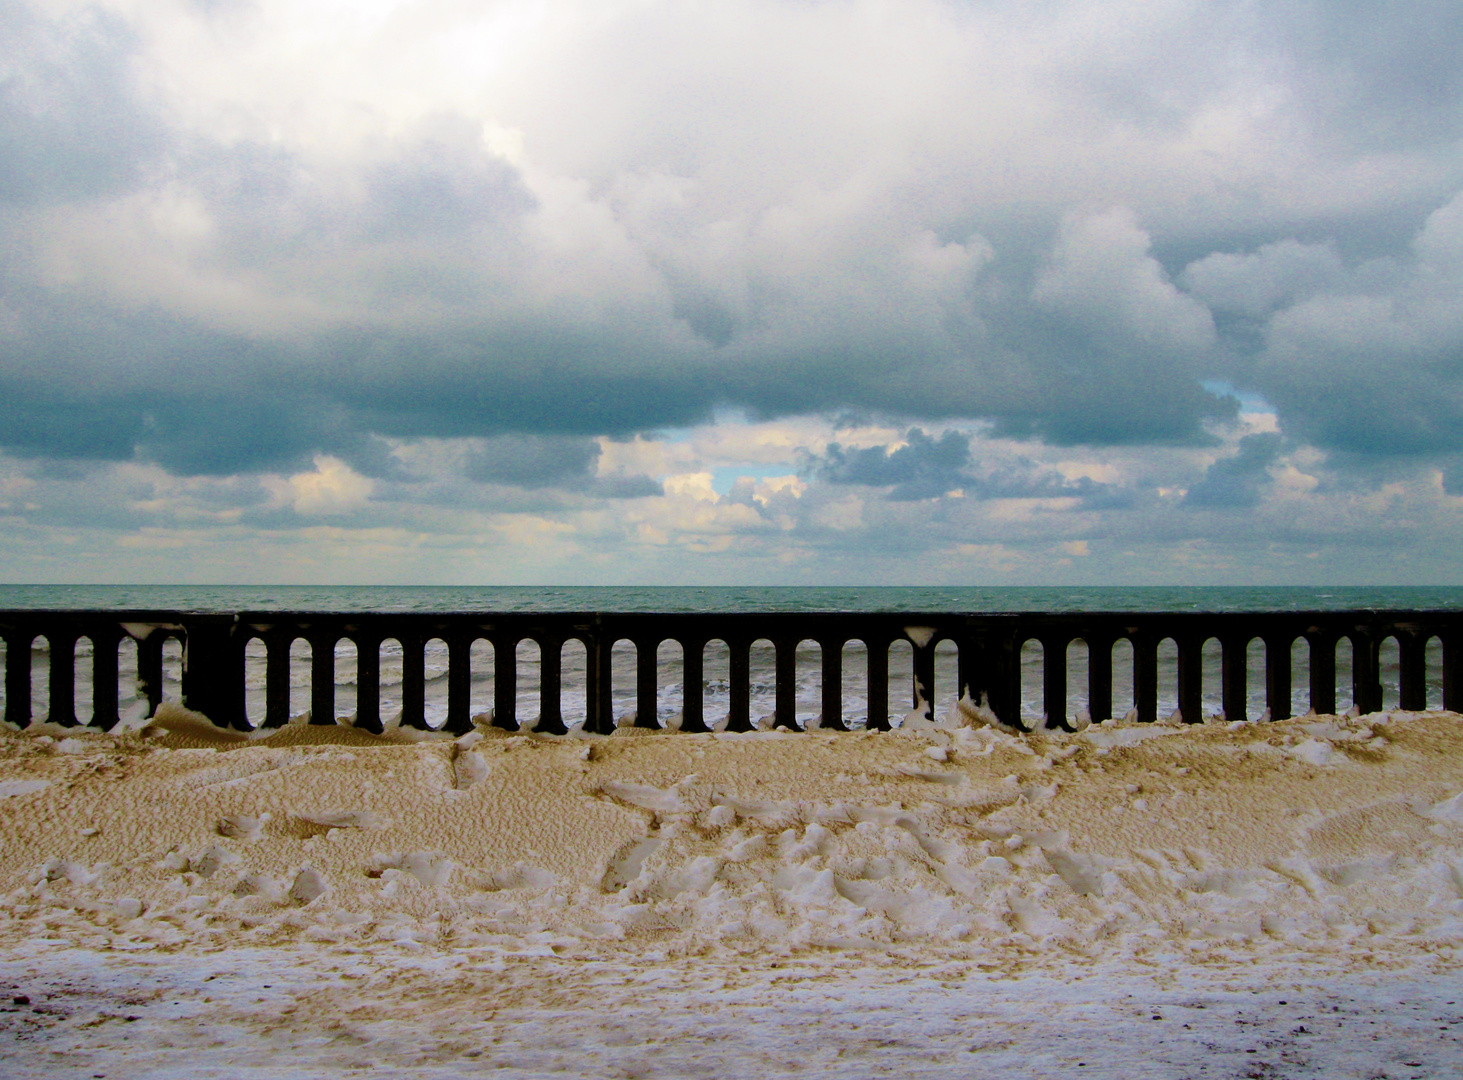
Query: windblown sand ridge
x,y
1334,838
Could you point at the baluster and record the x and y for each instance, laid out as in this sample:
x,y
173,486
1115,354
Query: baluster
x,y
459,684
922,678
971,671
1191,678
1452,641
739,710
105,640
878,665
1323,671
1145,677
17,678
1099,677
693,685
213,671
277,678
598,697
413,681
368,682
647,683
63,677
1054,683
1366,686
1278,676
322,678
505,683
1412,687
150,669
785,709
1234,677
226,652
1003,676
550,713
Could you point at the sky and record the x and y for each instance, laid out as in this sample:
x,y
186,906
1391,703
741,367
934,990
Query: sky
x,y
743,292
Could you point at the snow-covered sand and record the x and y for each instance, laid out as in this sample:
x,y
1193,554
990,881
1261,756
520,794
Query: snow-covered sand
x,y
1287,899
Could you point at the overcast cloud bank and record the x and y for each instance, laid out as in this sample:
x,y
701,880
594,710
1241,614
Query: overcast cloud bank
x,y
835,292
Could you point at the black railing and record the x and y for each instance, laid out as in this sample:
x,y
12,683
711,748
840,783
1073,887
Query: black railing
x,y
989,650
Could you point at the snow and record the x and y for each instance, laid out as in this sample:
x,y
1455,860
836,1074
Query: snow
x,y
297,1013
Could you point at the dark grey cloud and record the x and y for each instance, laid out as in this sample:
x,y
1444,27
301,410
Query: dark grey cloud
x,y
926,467
1234,482
548,461
1453,478
1365,358
1386,77
71,123
441,182
532,462
434,190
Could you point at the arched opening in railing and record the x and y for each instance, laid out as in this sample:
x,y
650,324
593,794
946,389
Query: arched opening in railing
x,y
807,688
1345,688
762,682
1299,698
716,683
1031,670
946,691
669,683
131,697
256,664
1077,700
528,660
301,679
1389,672
40,677
1433,671
1211,668
1124,695
480,691
1254,694
1168,679
436,666
903,698
85,696
392,675
854,679
347,675
171,688
624,665
574,685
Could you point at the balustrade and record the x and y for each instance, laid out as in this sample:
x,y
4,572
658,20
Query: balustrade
x,y
989,648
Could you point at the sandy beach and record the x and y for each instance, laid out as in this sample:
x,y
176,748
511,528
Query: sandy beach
x,y
935,902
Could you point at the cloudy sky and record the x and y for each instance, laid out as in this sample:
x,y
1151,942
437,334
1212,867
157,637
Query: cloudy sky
x,y
811,291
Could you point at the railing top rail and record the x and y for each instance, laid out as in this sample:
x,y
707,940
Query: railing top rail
x,y
714,624
264,614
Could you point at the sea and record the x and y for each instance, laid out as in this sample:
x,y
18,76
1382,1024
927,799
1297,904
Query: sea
x,y
913,599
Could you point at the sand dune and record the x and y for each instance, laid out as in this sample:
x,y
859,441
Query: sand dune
x,y
1334,837
1329,844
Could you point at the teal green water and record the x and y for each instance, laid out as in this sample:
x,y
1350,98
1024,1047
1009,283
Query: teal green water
x,y
709,599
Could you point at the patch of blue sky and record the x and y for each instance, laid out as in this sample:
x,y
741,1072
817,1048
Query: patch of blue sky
x,y
1250,401
725,478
